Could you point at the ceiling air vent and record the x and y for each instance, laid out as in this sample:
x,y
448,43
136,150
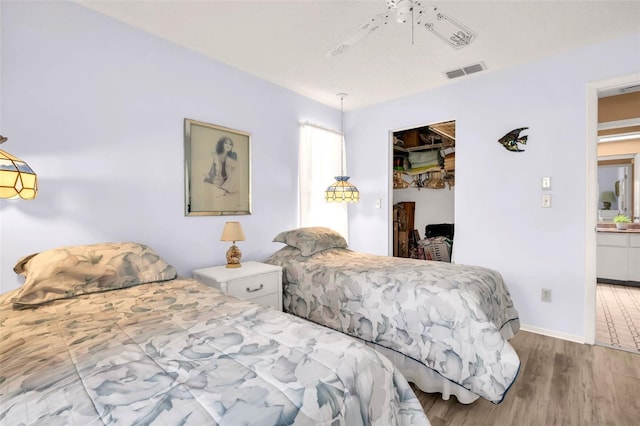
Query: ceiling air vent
x,y
470,69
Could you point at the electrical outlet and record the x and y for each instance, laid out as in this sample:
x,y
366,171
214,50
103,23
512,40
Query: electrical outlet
x,y
546,295
378,203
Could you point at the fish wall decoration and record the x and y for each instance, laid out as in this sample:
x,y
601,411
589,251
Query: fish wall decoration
x,y
511,140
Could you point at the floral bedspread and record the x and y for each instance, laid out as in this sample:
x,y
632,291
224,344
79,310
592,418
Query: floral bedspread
x,y
446,316
181,353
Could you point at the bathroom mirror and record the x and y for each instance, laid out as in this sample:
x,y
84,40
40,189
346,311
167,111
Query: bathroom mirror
x,y
615,184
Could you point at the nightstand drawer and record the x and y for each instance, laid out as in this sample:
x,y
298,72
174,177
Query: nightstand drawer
x,y
254,287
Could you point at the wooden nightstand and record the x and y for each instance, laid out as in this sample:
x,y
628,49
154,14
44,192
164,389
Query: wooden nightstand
x,y
255,281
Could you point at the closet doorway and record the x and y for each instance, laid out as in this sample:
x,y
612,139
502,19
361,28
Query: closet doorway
x,y
423,195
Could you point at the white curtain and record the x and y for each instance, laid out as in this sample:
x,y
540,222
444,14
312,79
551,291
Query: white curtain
x,y
319,163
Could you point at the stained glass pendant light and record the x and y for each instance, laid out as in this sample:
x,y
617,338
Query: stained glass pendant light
x,y
17,180
341,190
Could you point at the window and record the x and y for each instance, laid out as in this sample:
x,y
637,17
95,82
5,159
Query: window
x,y
319,162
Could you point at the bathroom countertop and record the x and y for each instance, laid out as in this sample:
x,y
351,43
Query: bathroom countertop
x,y
632,228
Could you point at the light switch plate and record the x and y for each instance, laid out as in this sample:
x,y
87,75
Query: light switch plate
x,y
546,183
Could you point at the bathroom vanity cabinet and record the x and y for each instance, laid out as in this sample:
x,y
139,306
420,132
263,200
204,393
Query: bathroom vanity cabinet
x,y
618,255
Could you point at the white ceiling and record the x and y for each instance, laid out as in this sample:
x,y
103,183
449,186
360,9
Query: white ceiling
x,y
285,41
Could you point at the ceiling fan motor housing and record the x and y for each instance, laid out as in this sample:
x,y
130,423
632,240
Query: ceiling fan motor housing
x,y
403,9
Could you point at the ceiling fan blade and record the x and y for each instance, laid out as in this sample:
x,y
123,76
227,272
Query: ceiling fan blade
x,y
371,26
448,29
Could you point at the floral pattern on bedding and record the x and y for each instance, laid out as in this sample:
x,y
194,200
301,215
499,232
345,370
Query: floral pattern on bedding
x,y
445,316
66,272
181,353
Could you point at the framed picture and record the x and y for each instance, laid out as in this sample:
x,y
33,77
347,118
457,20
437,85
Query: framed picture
x,y
217,168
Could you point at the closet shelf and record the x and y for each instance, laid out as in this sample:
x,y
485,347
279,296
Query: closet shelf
x,y
424,157
411,172
421,147
435,179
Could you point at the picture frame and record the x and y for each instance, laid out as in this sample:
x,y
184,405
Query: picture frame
x,y
217,168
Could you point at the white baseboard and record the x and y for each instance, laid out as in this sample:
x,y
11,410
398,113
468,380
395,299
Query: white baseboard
x,y
553,333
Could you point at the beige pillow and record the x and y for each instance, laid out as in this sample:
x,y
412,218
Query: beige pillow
x,y
67,272
311,240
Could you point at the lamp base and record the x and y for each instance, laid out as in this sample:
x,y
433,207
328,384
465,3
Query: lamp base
x,y
233,257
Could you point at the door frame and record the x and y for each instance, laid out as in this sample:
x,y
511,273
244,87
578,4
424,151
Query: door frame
x,y
391,199
591,188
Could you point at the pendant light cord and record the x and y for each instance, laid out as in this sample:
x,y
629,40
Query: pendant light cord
x,y
342,144
342,147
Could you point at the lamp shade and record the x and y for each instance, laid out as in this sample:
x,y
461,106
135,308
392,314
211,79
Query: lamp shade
x,y
16,178
607,197
342,191
232,232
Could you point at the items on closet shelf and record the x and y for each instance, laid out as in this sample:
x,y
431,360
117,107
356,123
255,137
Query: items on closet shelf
x,y
424,161
450,161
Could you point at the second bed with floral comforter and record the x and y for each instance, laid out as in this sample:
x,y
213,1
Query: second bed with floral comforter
x,y
448,317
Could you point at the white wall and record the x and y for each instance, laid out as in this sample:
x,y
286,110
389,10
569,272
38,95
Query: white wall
x,y
498,218
432,205
97,109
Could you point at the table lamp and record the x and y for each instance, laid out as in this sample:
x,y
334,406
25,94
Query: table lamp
x,y
233,232
607,197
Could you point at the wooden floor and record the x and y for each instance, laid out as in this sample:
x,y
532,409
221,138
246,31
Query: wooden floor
x,y
560,383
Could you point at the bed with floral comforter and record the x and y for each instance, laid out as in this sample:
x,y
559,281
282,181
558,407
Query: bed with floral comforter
x,y
451,319
107,334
